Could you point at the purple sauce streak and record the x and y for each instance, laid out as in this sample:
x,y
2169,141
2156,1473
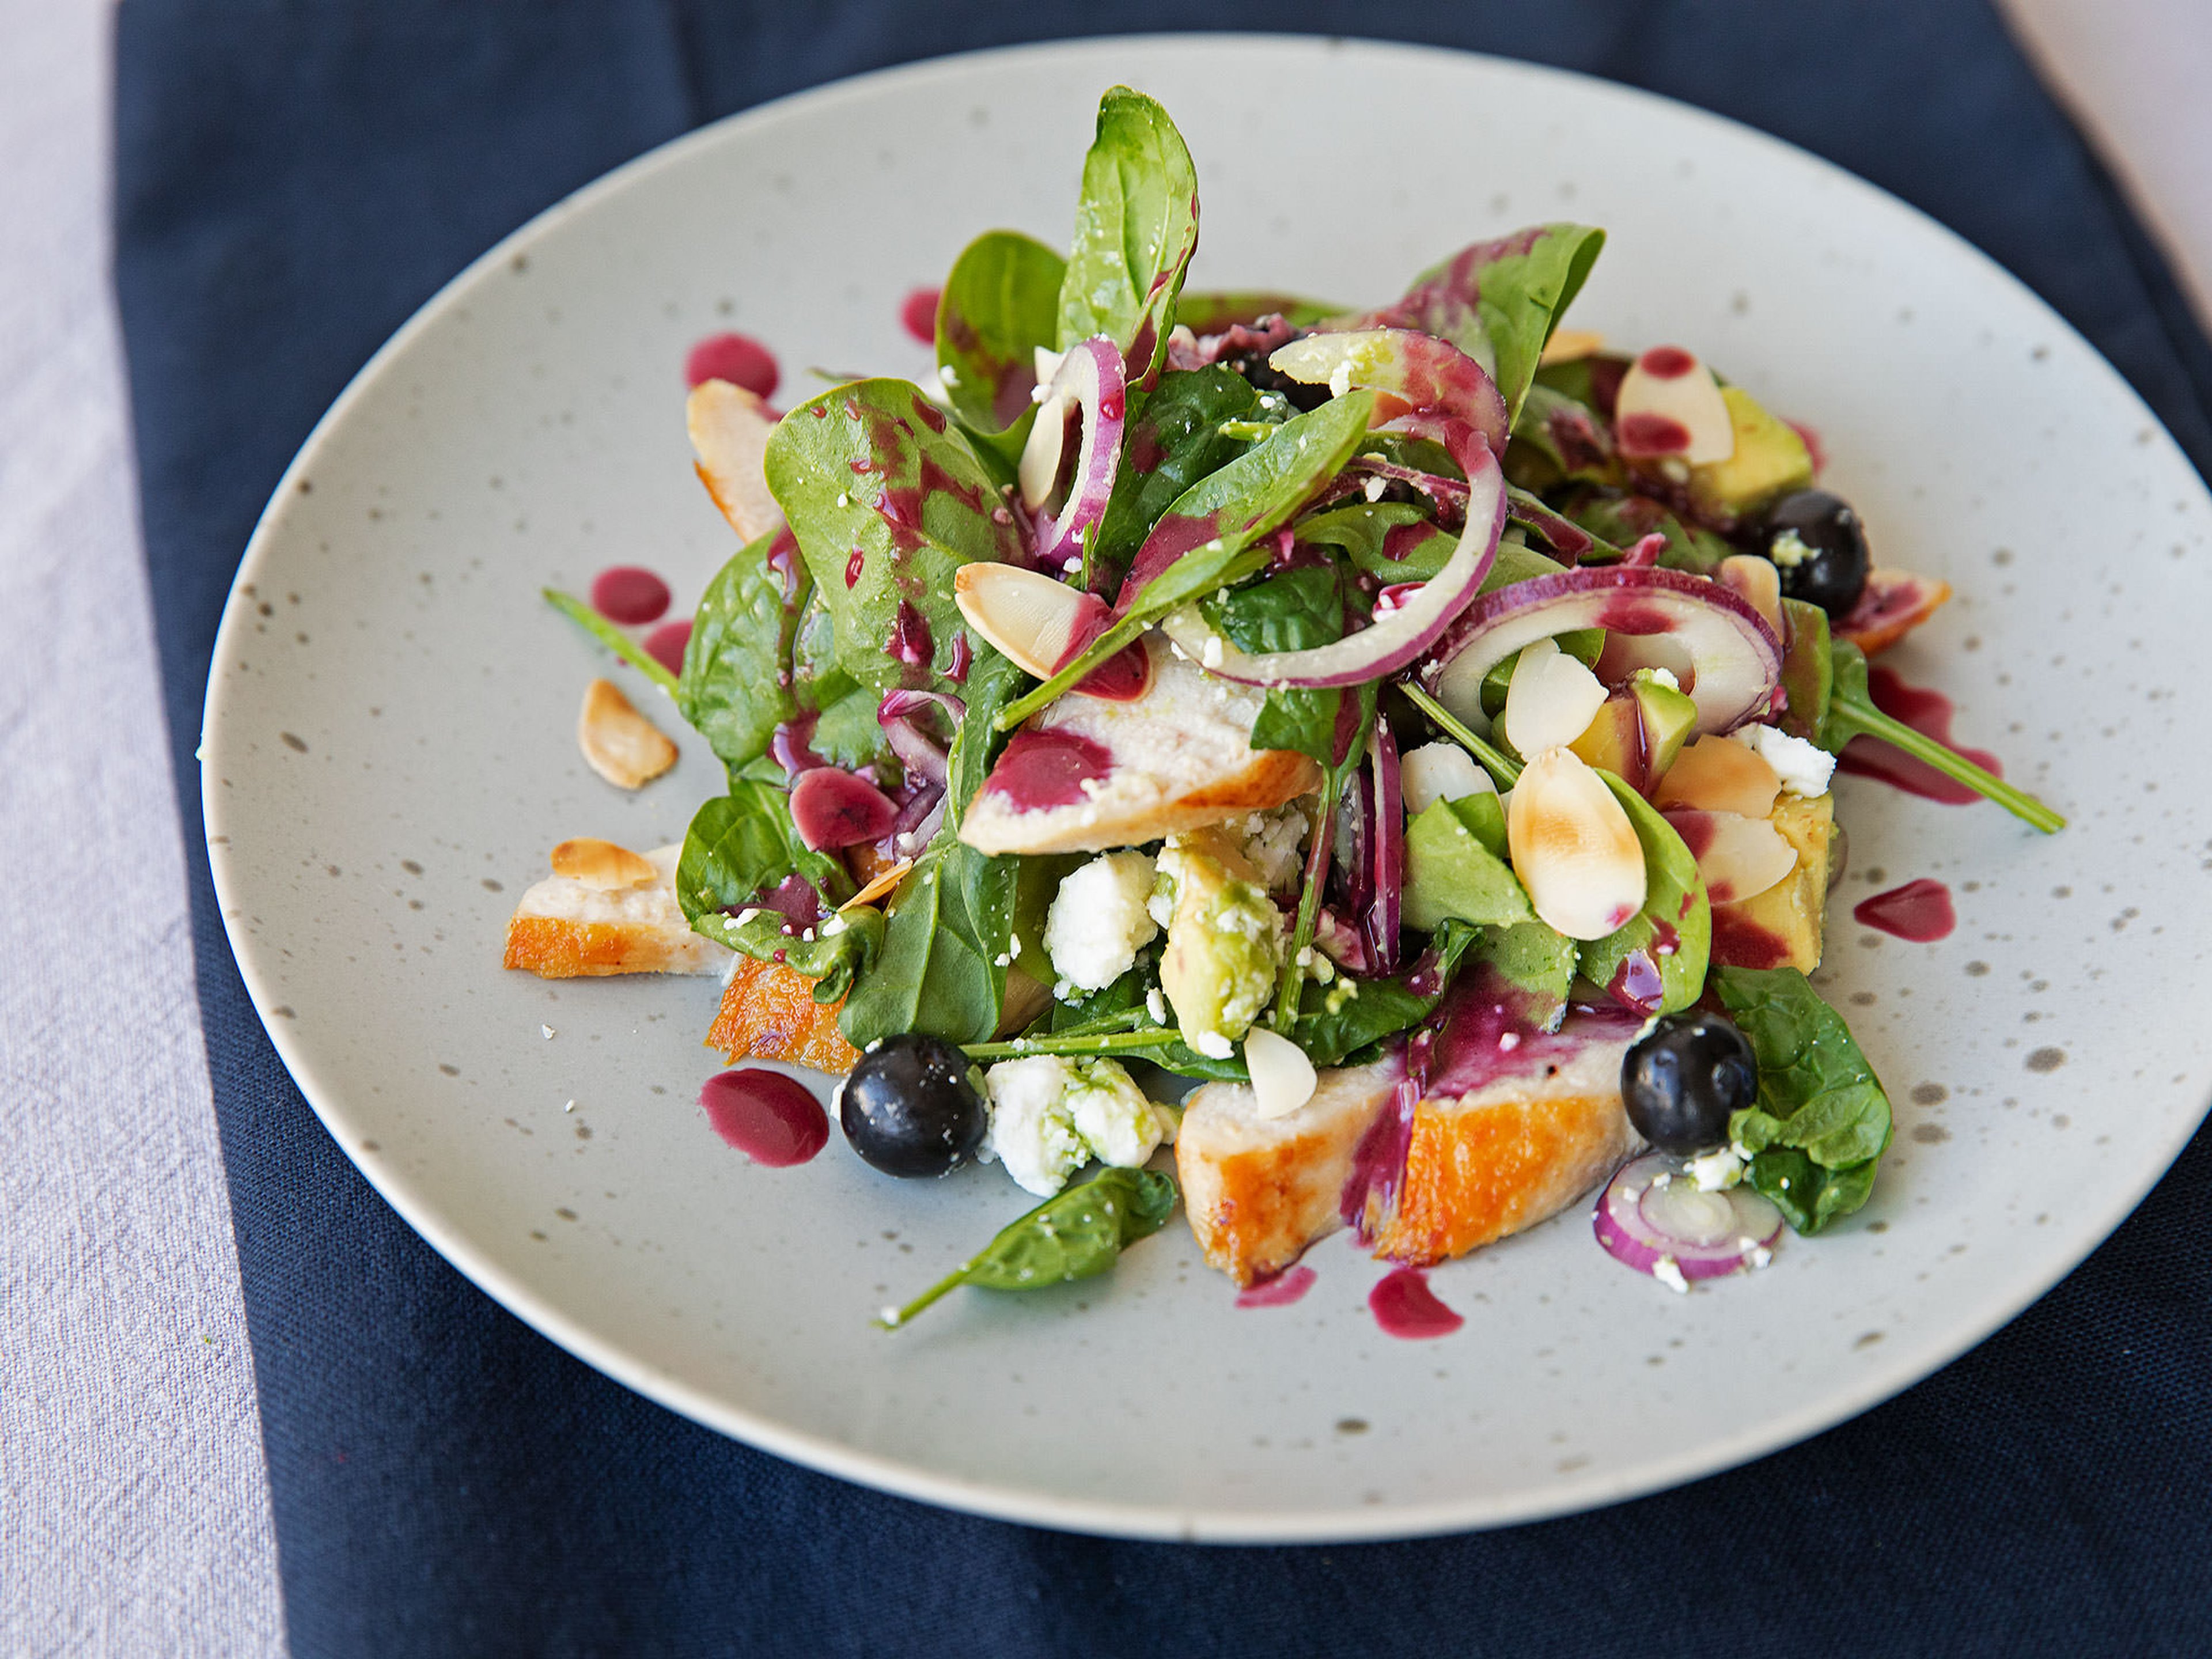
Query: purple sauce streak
x,y
1278,1290
772,1119
1920,911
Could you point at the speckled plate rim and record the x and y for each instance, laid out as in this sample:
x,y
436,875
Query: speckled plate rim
x,y
1909,1361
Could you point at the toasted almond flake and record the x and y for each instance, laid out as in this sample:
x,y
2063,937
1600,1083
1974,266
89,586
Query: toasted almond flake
x,y
730,428
878,884
601,864
1719,774
1552,700
1027,616
1758,581
1283,1079
1739,858
1573,846
619,744
1690,399
1570,345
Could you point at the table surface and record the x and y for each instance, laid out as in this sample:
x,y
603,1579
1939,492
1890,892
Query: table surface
x,y
138,1508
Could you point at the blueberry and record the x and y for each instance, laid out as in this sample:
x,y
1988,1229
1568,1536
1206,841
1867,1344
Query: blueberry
x,y
1819,548
1683,1080
909,1109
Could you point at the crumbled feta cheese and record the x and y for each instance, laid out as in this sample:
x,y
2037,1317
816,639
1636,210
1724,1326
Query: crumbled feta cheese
x,y
1211,658
1440,771
1669,1272
1274,841
1716,1170
1031,1132
1111,1114
1156,1005
1663,676
1212,1044
1100,919
1759,1256
1804,768
1339,380
548,1029
1789,550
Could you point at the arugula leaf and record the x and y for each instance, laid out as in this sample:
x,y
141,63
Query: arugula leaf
x,y
1076,1234
1672,934
887,502
1455,866
1852,713
1498,301
1174,439
1822,1121
738,683
1204,541
1000,303
1136,226
743,843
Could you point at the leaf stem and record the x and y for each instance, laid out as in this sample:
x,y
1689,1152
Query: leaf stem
x,y
1505,771
1097,1043
611,637
1121,634
1862,719
945,1286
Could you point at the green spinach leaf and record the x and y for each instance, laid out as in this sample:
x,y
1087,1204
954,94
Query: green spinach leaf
x,y
743,843
740,680
1338,1021
1136,226
1295,612
1668,942
1076,1234
1808,670
887,502
1533,959
1174,439
1394,541
1822,1121
1498,301
999,305
1455,866
834,955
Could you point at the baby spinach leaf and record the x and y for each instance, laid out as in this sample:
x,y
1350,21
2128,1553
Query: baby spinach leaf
x,y
1533,959
1822,1121
1294,612
1558,439
1499,300
1342,754
1394,541
1136,226
1668,941
1174,439
841,948
744,842
1337,1021
1455,866
1619,521
1204,541
739,681
1076,1234
1215,311
1000,303
887,502
1852,713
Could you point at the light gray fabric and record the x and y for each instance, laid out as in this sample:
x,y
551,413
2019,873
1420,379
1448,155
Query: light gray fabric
x,y
134,1518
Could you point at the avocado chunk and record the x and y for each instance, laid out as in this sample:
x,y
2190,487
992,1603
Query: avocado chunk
x,y
1782,927
1638,730
1769,458
1225,940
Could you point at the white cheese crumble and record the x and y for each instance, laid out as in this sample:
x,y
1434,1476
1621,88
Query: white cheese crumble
x,y
1663,676
1804,768
1789,550
1212,1044
1100,919
1669,1272
1716,1170
1049,1115
1440,771
1274,841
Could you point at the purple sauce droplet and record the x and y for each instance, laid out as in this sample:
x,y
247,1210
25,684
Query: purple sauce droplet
x,y
1279,1291
1405,1306
665,645
918,314
738,358
629,594
770,1118
1920,911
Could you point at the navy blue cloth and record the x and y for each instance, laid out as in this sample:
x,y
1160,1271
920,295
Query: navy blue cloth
x,y
293,179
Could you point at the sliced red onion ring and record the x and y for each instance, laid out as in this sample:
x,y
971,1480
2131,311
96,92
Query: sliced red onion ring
x,y
833,809
1092,379
1386,846
920,754
1653,1218
1734,658
1396,638
1415,375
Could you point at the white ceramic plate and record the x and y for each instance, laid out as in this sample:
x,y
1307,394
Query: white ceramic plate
x,y
389,753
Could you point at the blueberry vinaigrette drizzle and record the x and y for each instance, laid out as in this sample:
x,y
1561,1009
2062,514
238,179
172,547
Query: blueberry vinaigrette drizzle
x,y
770,1118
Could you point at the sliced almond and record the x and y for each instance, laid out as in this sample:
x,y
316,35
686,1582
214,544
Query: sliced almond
x,y
730,428
1440,771
1573,846
1026,614
1552,698
1739,858
1719,774
619,744
1283,1079
1039,468
1756,580
1669,404
603,865
879,885
1571,345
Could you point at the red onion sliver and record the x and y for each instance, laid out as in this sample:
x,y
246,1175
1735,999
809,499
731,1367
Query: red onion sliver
x,y
1092,377
1652,1217
1737,659
1386,845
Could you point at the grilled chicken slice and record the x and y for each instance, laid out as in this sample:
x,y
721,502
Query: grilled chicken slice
x,y
566,928
1091,773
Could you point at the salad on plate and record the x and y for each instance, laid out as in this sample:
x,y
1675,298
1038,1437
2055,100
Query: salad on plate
x,y
1325,766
